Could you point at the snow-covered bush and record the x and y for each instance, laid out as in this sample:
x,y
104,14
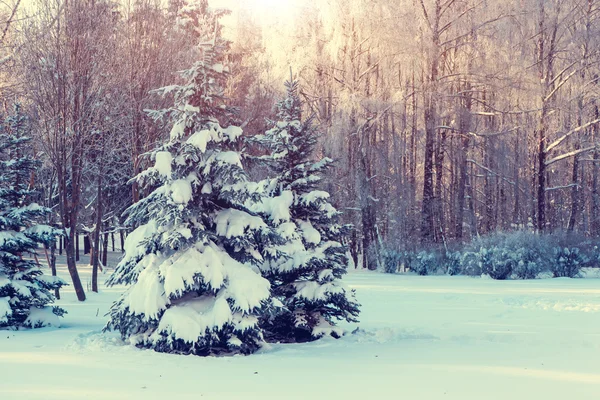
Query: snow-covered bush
x,y
567,262
503,255
502,263
428,261
531,261
306,279
452,262
25,292
513,255
526,255
393,260
193,259
425,263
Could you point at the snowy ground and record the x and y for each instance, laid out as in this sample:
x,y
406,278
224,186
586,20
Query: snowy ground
x,y
420,338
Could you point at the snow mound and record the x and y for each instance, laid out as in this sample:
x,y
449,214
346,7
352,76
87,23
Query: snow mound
x,y
389,335
41,317
98,341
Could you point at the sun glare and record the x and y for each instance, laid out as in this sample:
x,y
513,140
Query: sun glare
x,y
270,7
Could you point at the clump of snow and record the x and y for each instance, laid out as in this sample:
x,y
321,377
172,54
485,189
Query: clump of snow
x,y
310,234
277,208
147,296
329,210
233,132
248,290
321,164
313,196
179,273
218,68
201,139
178,129
5,309
229,157
314,291
163,163
207,188
545,275
287,230
41,317
133,248
190,108
190,319
234,223
325,328
326,274
181,191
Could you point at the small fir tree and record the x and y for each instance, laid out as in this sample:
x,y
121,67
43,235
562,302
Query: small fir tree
x,y
192,261
307,280
25,292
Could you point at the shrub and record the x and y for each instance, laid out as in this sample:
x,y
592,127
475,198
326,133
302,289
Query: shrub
x,y
514,255
452,262
425,263
392,260
567,262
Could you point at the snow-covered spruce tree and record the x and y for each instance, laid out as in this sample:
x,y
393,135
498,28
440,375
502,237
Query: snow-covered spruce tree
x,y
307,281
193,259
25,292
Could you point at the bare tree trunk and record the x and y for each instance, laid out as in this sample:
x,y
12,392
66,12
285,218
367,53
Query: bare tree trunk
x,y
516,212
52,262
72,266
541,176
76,246
595,209
96,250
465,123
86,244
439,183
575,193
122,237
104,251
427,222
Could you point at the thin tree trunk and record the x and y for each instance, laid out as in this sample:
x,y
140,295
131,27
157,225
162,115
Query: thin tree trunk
x,y
595,209
76,247
541,179
96,250
575,190
86,244
122,237
72,267
104,251
52,262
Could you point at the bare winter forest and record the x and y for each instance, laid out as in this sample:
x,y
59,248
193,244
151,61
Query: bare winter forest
x,y
447,119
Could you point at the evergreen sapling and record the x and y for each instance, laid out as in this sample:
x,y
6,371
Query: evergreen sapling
x,y
306,281
25,292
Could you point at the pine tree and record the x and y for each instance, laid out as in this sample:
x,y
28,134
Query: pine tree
x,y
307,281
25,292
193,260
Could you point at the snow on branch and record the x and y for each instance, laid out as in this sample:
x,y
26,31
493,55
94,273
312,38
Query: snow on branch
x,y
571,185
569,154
558,141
